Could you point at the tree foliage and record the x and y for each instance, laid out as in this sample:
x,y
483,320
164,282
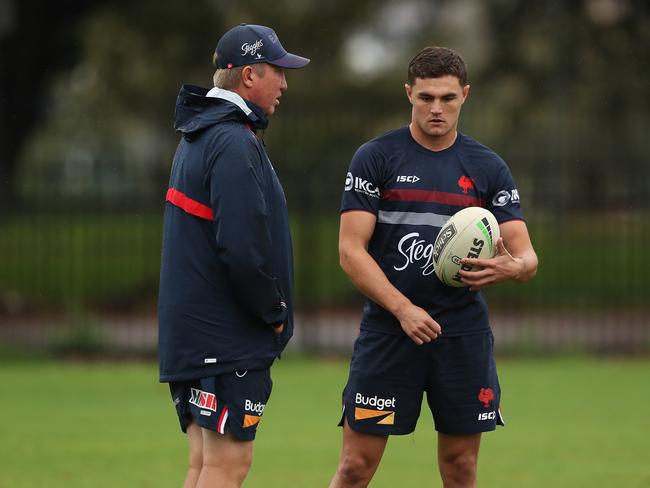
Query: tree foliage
x,y
555,85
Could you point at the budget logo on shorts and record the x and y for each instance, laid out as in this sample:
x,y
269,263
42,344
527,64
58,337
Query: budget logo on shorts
x,y
203,399
253,408
383,417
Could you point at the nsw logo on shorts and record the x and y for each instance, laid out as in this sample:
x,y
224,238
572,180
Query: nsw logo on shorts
x,y
203,399
377,414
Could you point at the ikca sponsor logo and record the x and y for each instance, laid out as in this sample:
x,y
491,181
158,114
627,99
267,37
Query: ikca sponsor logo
x,y
361,186
257,408
374,401
415,250
502,198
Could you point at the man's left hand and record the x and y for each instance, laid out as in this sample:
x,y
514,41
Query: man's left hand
x,y
503,266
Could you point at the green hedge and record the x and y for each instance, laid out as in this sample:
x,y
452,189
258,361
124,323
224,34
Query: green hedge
x,y
78,261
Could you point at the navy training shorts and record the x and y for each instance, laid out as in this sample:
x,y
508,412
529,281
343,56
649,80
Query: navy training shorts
x,y
390,373
233,401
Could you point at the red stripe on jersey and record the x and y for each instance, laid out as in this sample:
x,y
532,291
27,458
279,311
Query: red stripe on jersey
x,y
432,196
192,207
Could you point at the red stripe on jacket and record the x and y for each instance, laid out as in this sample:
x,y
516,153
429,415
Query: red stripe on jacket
x,y
432,196
190,206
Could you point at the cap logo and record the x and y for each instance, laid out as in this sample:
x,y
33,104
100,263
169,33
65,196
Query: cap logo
x,y
252,49
273,38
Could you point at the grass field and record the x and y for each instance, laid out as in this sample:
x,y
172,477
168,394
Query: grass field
x,y
571,423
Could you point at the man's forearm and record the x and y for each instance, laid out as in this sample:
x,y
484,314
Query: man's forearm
x,y
368,277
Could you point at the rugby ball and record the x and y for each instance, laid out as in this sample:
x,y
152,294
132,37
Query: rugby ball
x,y
469,233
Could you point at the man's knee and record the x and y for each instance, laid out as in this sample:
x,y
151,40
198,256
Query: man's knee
x,y
227,455
458,469
356,468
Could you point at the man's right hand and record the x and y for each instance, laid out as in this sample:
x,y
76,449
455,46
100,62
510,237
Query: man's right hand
x,y
418,324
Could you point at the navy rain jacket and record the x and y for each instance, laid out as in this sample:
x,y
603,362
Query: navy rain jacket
x,y
226,272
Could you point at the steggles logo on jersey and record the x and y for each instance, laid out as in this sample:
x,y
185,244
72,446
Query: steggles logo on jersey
x,y
383,417
416,250
504,197
361,186
203,399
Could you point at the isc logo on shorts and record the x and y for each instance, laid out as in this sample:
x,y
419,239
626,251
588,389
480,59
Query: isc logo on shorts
x,y
487,415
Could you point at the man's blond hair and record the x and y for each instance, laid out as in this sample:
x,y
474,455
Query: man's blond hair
x,y
228,79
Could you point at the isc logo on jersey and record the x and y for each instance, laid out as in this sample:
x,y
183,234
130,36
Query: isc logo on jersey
x,y
407,179
361,186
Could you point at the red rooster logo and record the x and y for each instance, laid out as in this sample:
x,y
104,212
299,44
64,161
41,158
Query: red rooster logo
x,y
486,395
465,183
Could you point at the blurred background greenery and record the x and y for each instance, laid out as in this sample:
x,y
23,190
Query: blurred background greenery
x,y
559,89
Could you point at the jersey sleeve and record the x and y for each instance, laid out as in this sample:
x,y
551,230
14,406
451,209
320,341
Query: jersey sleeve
x,y
363,182
503,199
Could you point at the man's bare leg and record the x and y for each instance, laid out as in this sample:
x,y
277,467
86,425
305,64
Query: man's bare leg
x,y
226,460
195,444
360,457
458,459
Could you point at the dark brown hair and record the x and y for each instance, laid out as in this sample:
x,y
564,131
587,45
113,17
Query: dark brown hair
x,y
434,62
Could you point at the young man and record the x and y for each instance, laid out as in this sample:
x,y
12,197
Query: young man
x,y
418,335
225,304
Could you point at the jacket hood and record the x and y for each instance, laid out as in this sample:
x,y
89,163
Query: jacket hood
x,y
195,111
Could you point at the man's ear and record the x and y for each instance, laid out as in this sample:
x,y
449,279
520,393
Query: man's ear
x,y
407,87
465,92
247,76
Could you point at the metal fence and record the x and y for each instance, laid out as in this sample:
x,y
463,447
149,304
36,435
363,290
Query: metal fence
x,y
79,269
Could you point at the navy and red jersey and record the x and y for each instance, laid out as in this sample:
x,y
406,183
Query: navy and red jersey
x,y
226,273
413,191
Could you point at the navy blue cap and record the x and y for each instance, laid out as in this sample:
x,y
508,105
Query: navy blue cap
x,y
250,44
